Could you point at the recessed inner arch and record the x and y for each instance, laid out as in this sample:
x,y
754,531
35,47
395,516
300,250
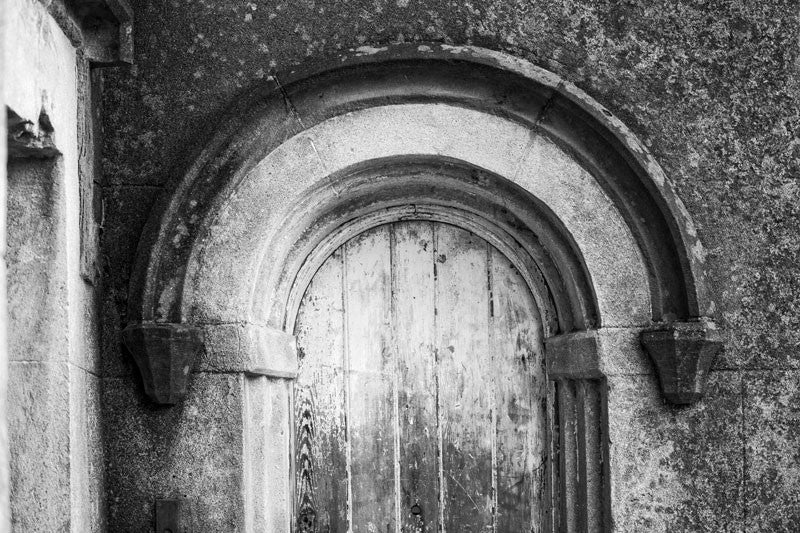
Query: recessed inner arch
x,y
418,188
483,228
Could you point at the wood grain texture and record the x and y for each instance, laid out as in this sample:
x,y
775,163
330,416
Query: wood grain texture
x,y
319,398
420,402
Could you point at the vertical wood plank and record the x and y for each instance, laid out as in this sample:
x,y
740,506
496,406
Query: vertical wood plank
x,y
319,400
520,386
464,380
413,301
371,370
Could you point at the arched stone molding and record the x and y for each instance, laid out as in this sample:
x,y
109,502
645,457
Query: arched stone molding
x,y
507,93
467,77
532,163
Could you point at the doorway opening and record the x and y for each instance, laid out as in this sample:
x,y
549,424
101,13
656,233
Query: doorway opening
x,y
421,396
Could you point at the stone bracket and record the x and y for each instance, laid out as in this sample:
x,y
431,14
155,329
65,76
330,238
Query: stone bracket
x,y
683,353
596,353
165,354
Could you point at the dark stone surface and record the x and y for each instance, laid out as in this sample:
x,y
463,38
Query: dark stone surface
x,y
191,451
753,254
127,209
772,450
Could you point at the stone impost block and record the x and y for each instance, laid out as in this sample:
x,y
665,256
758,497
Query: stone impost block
x,y
575,355
683,353
592,354
250,348
165,354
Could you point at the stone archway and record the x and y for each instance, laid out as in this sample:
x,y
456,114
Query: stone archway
x,y
612,252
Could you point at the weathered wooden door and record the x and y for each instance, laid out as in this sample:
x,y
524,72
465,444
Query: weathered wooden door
x,y
420,400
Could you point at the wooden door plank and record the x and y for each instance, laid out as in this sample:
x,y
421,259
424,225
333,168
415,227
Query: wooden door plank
x,y
462,307
371,371
520,386
413,312
320,431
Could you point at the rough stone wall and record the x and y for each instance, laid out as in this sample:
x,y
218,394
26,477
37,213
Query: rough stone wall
x,y
54,389
713,89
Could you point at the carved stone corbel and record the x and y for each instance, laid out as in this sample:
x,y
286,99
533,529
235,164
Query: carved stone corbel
x,y
683,353
165,355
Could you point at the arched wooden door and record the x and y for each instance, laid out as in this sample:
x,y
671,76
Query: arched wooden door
x,y
420,402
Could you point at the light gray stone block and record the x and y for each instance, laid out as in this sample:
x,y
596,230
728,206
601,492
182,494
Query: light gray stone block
x,y
675,468
39,435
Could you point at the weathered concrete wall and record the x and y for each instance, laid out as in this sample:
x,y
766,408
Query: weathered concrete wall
x,y
712,89
54,391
